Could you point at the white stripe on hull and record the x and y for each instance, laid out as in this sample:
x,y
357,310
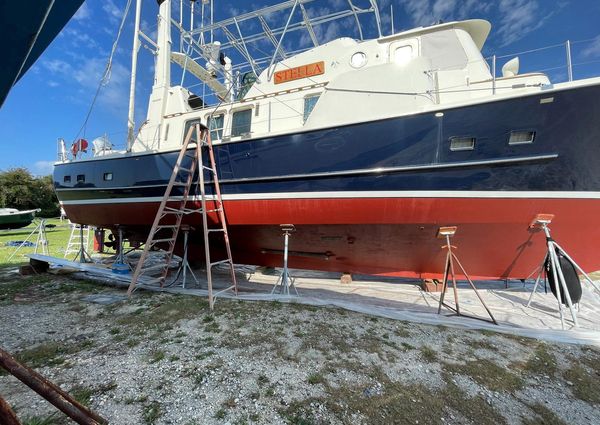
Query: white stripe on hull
x,y
360,195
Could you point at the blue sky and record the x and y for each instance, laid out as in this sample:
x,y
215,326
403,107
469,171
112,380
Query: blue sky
x,y
53,98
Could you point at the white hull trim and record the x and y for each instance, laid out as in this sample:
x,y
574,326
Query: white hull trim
x,y
360,195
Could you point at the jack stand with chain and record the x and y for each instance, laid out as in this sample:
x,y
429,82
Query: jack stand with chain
x,y
552,269
446,233
285,281
41,241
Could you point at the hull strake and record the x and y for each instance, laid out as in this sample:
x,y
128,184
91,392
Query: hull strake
x,y
559,176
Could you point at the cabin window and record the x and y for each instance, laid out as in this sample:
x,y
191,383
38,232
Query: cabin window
x,y
521,137
462,143
309,104
403,54
80,178
108,177
241,122
189,124
67,179
215,124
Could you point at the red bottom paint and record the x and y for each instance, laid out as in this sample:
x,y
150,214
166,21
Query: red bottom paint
x,y
388,236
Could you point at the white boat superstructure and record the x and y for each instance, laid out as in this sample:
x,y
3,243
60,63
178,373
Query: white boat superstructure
x,y
341,82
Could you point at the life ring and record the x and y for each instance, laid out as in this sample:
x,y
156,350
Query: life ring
x,y
80,145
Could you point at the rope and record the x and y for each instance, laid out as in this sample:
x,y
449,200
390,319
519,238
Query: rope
x,y
104,80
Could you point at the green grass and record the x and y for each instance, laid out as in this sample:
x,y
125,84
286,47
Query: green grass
x,y
488,374
586,385
50,353
152,413
541,362
43,420
57,237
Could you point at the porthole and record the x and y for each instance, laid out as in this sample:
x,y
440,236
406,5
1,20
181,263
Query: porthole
x,y
462,143
521,137
358,60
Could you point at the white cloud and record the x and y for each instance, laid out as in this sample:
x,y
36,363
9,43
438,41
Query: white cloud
x,y
514,19
42,168
114,13
79,38
83,13
593,50
517,19
87,75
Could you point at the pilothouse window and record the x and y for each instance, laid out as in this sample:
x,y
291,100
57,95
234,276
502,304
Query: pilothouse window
x,y
241,122
215,124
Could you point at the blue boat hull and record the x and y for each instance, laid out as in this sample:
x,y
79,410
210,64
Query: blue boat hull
x,y
350,180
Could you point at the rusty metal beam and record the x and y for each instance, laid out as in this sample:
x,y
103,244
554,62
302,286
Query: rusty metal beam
x,y
51,392
7,415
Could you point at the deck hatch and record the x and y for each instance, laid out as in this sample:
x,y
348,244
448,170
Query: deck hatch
x,y
462,143
521,137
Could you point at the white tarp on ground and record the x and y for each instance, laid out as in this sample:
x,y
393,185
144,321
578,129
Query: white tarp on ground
x,y
403,299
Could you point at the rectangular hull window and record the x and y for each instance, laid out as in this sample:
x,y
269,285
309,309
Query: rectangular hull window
x,y
241,123
521,137
462,143
80,178
67,179
108,177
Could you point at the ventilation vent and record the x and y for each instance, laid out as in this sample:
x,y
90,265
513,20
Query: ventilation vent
x,y
521,137
462,143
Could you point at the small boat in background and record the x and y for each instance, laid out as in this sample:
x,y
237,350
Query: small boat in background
x,y
11,218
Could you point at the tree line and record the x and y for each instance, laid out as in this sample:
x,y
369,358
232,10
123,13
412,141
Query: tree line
x,y
21,190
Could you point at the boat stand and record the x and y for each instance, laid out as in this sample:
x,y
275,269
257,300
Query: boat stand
x,y
446,233
542,221
41,240
285,281
184,266
80,242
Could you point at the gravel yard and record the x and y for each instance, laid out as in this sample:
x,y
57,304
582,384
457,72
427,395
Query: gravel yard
x,y
166,359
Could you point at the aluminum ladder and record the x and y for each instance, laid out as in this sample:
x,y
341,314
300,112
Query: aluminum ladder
x,y
78,244
172,209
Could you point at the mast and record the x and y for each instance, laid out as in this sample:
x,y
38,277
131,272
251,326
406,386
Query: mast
x,y
162,77
134,56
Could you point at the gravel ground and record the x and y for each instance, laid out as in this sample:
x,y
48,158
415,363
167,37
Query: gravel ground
x,y
166,359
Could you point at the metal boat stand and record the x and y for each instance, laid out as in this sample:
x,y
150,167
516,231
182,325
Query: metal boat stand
x,y
42,240
541,221
446,233
184,266
285,281
80,241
